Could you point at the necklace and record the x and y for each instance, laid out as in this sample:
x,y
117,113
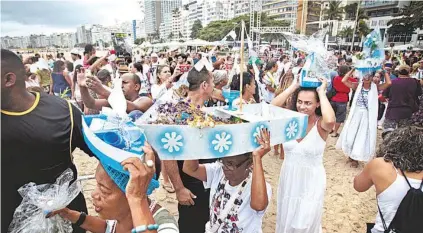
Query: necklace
x,y
220,200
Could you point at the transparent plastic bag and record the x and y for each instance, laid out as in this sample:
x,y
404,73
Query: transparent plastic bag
x,y
370,60
319,61
40,200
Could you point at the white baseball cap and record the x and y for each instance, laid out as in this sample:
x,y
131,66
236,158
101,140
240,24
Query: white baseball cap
x,y
75,51
154,55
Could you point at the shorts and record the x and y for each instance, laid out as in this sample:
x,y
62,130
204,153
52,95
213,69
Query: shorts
x,y
340,111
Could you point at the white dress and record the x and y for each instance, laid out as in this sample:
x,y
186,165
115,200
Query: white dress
x,y
302,184
358,137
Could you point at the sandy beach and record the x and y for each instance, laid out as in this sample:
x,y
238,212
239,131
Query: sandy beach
x,y
345,210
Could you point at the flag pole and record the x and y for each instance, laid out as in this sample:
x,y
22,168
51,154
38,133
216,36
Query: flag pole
x,y
241,68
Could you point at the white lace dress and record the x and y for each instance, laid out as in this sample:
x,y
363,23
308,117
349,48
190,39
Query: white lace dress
x,y
302,184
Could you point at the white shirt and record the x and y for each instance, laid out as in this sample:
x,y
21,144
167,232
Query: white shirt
x,y
158,90
137,58
145,85
269,79
419,74
249,220
77,62
154,73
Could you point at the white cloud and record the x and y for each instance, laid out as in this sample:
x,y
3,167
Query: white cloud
x,y
20,18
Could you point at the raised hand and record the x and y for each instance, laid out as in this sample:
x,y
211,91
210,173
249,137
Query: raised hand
x,y
324,85
264,141
81,77
140,174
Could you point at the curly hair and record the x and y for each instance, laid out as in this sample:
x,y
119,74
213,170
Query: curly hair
x,y
294,97
404,148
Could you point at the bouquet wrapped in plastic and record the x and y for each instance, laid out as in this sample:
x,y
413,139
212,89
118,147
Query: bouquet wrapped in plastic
x,y
319,61
371,58
40,200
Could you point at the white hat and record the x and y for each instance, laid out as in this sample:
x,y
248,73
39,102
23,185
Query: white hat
x,y
41,64
74,51
154,55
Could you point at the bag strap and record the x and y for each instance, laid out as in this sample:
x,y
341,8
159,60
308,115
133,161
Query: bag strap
x,y
408,182
381,217
71,132
421,184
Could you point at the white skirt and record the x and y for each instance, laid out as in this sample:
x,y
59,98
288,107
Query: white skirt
x,y
301,195
356,139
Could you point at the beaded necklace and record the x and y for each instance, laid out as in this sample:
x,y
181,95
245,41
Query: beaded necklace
x,y
219,202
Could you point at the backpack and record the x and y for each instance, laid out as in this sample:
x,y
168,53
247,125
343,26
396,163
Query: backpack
x,y
409,215
332,92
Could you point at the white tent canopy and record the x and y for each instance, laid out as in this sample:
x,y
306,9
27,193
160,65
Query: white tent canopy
x,y
402,47
197,42
145,44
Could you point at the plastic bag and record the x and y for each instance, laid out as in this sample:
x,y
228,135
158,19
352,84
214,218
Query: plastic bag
x,y
40,200
370,60
319,61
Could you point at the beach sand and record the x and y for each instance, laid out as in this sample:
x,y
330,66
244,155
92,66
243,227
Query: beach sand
x,y
345,210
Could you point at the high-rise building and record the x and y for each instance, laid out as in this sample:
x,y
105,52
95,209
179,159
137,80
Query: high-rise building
x,y
153,16
168,8
213,10
179,24
380,12
229,9
242,7
81,34
166,27
282,9
195,13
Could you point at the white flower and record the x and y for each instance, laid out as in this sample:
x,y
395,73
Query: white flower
x,y
172,142
222,142
257,132
292,129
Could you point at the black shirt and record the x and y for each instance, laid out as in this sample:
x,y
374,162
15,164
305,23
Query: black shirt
x,y
35,148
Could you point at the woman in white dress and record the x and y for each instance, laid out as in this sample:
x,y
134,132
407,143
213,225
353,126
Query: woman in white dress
x,y
358,137
302,179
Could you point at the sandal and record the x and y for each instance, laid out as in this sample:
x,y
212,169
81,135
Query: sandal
x,y
168,187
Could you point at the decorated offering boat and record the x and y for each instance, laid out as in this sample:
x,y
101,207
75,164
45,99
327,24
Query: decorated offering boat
x,y
215,132
182,132
178,130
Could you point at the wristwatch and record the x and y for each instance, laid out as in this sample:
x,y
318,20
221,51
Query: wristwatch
x,y
81,219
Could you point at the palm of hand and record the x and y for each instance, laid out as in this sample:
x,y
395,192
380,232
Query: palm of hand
x,y
82,80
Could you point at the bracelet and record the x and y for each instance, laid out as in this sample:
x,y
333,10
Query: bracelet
x,y
143,228
81,219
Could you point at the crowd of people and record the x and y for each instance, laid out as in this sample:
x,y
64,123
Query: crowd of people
x,y
43,99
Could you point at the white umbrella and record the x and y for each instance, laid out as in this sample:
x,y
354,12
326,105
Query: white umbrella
x,y
146,44
196,42
400,47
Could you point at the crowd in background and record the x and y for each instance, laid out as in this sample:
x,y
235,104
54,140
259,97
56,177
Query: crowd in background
x,y
390,99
